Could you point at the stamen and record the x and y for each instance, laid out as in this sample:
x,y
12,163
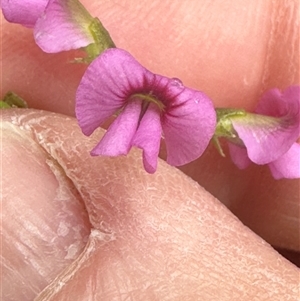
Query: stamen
x,y
148,98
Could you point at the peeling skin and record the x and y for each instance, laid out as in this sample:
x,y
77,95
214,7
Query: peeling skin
x,y
242,48
44,227
149,239
232,51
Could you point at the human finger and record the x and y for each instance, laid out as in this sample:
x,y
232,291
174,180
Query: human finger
x,y
146,233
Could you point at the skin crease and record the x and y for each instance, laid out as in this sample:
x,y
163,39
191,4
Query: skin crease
x,y
152,241
245,49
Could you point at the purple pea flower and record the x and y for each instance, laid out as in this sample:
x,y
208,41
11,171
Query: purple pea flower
x,y
24,12
64,25
270,137
148,105
59,25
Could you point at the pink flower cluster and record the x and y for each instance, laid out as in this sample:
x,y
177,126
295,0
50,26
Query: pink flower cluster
x,y
149,106
270,135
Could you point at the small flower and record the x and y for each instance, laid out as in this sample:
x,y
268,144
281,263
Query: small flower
x,y
66,25
148,105
24,12
269,136
59,25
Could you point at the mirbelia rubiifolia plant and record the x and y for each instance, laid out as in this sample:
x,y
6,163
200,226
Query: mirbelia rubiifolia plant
x,y
149,106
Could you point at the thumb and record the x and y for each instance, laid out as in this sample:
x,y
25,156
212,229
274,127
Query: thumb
x,y
44,222
149,239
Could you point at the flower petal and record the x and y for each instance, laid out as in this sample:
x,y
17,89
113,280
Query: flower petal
x,y
148,137
188,124
63,26
118,138
115,78
277,104
239,156
105,87
268,137
288,165
24,12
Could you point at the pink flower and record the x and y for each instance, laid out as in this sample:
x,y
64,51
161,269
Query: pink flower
x,y
149,105
270,137
64,25
24,12
59,25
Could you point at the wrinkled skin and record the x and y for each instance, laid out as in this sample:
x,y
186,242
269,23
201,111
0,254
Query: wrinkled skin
x,y
84,228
